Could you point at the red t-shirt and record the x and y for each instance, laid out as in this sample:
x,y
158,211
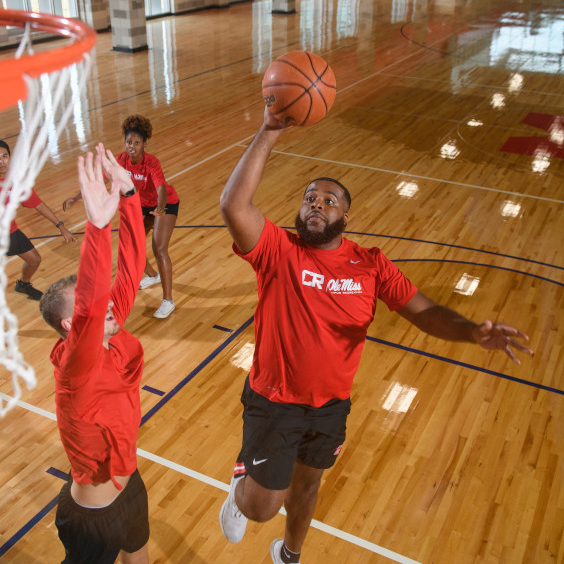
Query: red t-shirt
x,y
147,175
32,202
314,309
97,389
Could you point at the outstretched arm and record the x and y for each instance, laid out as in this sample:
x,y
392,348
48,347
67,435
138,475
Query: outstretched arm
x,y
100,205
243,219
445,323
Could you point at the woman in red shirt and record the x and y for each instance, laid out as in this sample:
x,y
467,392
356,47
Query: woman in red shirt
x,y
159,202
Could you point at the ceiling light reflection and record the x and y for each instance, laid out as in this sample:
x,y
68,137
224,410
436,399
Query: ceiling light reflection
x,y
398,398
244,358
475,123
407,189
498,100
467,285
449,150
515,82
511,209
541,161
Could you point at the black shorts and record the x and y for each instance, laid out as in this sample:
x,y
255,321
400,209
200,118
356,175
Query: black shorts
x,y
170,209
275,435
19,244
96,536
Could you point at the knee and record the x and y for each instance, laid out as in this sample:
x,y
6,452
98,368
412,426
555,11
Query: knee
x,y
160,251
261,512
33,259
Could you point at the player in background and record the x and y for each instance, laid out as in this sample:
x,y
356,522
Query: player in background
x,y
20,244
159,201
317,297
102,510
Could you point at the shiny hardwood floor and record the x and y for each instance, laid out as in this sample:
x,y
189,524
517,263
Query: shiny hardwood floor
x,y
448,129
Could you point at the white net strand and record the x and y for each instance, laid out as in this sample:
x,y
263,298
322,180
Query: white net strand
x,y
28,157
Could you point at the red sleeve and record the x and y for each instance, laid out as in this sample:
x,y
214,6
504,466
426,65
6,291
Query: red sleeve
x,y
33,201
395,288
131,257
92,294
155,170
270,245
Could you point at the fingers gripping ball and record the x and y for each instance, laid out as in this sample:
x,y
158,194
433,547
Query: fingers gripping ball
x,y
299,88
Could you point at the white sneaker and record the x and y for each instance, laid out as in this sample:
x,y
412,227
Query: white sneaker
x,y
165,309
232,521
275,550
149,281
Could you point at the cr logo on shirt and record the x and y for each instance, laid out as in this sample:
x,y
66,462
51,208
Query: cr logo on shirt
x,y
312,279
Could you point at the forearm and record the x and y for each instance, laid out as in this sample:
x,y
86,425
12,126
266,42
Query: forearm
x,y
444,323
245,178
47,213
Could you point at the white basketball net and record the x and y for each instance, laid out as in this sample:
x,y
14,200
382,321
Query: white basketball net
x,y
41,116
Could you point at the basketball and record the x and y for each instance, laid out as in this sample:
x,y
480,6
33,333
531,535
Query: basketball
x,y
299,88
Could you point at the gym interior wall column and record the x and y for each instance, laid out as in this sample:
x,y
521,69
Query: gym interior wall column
x,y
129,27
283,6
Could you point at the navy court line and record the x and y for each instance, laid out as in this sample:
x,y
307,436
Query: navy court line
x,y
223,328
485,265
57,473
466,365
153,390
28,526
200,366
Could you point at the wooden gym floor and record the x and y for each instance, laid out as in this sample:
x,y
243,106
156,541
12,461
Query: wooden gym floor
x,y
448,129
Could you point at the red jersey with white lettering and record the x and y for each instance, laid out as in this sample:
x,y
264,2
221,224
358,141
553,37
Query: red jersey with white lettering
x,y
314,309
32,202
147,175
97,389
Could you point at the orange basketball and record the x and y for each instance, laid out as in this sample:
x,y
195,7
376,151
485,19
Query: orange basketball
x,y
299,88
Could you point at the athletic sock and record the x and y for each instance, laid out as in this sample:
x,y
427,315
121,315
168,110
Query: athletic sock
x,y
289,557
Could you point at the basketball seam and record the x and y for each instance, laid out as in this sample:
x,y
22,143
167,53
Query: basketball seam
x,y
306,91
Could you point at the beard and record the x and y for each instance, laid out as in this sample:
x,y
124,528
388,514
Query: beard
x,y
317,238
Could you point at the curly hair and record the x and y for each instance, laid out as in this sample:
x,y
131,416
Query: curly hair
x,y
137,124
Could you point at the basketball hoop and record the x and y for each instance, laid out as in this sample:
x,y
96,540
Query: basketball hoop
x,y
25,79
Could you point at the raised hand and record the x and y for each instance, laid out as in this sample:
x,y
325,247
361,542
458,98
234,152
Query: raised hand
x,y
494,336
114,171
100,205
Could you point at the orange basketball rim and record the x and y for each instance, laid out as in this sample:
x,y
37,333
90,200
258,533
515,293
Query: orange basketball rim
x,y
12,70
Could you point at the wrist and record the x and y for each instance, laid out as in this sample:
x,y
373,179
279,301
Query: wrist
x,y
129,193
59,225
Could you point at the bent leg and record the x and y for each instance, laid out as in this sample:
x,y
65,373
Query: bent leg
x,y
148,221
301,498
257,502
32,260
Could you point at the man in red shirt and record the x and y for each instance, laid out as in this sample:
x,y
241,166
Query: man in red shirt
x,y
102,510
296,398
19,243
